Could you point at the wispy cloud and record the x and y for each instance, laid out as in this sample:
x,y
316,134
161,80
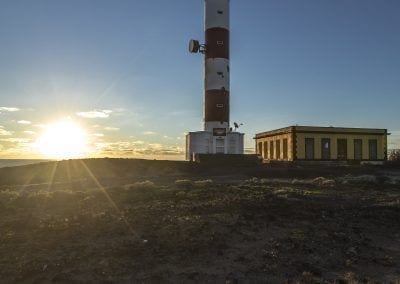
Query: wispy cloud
x,y
4,132
105,113
8,109
16,140
40,125
98,134
24,122
110,128
29,132
149,133
137,148
14,147
394,139
395,133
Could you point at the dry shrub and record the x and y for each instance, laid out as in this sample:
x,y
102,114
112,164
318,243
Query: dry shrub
x,y
281,181
203,183
180,194
143,185
394,155
301,182
321,181
307,277
253,180
39,196
7,196
359,180
265,181
64,195
184,183
328,183
392,180
351,277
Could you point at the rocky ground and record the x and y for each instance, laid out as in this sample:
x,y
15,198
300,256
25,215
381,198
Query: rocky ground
x,y
146,221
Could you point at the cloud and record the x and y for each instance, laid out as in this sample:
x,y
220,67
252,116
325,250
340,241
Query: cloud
x,y
155,145
137,148
120,112
16,140
17,148
109,128
105,113
40,125
4,132
149,133
98,134
24,122
395,133
9,109
29,132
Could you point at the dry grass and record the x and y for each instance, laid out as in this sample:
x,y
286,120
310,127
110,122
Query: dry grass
x,y
142,185
184,183
207,228
204,183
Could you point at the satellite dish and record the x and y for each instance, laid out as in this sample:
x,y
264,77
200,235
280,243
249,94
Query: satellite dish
x,y
194,46
237,125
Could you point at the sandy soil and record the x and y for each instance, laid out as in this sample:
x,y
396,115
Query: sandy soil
x,y
130,221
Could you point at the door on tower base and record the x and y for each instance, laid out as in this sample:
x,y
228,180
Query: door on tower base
x,y
219,146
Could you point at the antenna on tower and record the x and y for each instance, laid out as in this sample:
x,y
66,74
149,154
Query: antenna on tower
x,y
237,125
196,47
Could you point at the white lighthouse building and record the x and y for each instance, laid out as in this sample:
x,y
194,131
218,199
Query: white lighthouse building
x,y
218,137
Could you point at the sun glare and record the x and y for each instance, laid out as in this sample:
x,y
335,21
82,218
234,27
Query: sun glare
x,y
63,140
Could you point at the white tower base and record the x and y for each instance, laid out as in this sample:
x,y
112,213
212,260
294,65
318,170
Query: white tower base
x,y
206,142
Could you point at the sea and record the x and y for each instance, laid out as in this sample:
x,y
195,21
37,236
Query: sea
x,y
19,162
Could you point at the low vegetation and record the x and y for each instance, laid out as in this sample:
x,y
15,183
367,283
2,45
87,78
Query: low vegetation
x,y
265,226
142,185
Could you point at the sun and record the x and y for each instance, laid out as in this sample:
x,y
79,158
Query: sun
x,y
63,139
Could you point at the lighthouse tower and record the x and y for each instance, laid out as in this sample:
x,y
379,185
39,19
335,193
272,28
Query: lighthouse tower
x,y
217,137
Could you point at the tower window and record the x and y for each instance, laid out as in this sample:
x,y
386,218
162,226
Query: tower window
x,y
220,12
220,105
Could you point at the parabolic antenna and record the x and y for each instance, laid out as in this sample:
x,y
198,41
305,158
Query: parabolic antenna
x,y
194,46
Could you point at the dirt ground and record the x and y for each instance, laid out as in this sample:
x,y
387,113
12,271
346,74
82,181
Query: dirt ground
x,y
133,221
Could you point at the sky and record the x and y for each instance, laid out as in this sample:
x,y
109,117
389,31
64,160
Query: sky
x,y
121,70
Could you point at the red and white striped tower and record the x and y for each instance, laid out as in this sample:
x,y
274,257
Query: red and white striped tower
x,y
217,137
216,65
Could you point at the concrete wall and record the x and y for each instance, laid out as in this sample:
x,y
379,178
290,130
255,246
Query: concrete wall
x,y
204,142
300,144
272,155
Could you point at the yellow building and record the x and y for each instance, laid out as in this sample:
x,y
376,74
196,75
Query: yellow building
x,y
300,143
